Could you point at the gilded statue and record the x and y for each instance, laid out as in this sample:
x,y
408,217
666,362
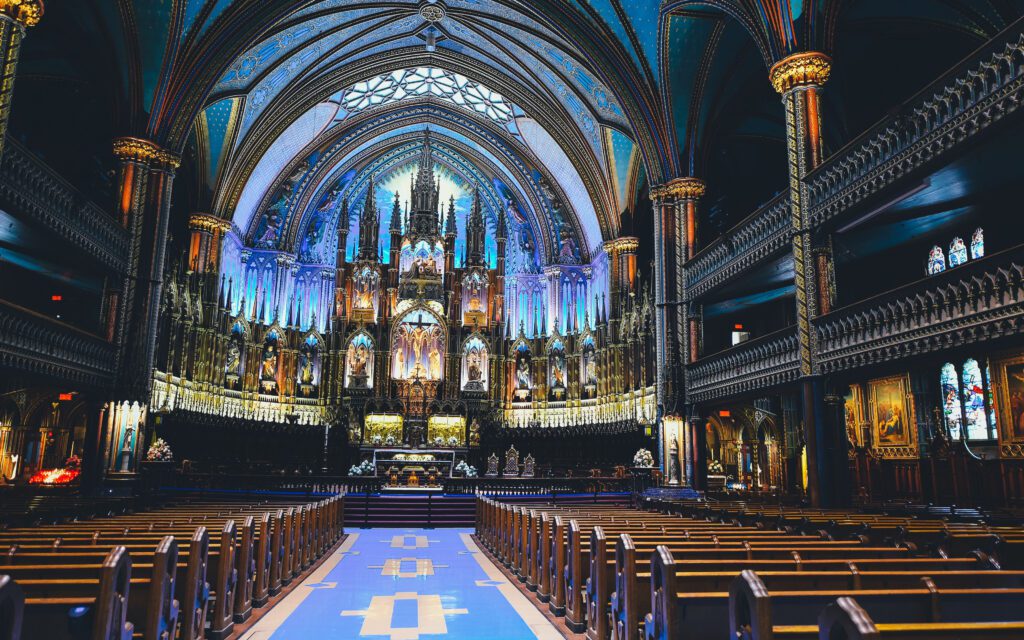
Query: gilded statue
x,y
269,368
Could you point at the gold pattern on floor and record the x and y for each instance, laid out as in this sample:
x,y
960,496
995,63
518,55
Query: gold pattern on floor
x,y
429,616
392,567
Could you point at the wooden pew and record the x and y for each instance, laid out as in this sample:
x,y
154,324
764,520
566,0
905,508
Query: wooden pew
x,y
750,610
601,576
12,608
630,601
89,608
845,619
271,548
753,608
152,606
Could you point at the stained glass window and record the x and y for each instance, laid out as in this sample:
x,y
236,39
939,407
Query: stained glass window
x,y
977,244
957,252
453,88
974,401
936,260
967,401
991,404
951,399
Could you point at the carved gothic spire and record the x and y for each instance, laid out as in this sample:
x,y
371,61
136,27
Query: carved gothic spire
x,y
369,225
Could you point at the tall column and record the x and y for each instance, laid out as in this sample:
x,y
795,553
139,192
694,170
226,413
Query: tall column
x,y
664,234
15,16
146,176
799,78
687,191
207,233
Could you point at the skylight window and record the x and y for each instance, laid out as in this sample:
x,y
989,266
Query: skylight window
x,y
453,88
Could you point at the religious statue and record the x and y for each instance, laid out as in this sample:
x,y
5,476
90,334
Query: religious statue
x,y
234,358
523,373
473,372
418,337
363,295
435,365
127,448
305,368
399,363
558,370
358,357
591,369
268,371
474,433
673,461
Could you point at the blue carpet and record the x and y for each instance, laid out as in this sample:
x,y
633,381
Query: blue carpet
x,y
337,606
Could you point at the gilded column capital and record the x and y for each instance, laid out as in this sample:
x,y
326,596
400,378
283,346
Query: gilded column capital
x,y
685,188
809,68
208,222
145,152
625,244
26,12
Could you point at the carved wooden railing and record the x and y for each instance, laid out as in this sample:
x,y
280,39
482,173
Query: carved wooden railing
x,y
766,362
755,238
30,188
965,101
33,343
979,301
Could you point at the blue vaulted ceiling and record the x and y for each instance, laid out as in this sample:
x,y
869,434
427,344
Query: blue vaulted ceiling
x,y
671,78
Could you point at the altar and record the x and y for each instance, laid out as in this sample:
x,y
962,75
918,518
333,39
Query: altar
x,y
414,468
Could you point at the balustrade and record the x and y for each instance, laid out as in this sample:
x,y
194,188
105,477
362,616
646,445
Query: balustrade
x,y
765,362
972,303
29,187
758,236
32,342
954,109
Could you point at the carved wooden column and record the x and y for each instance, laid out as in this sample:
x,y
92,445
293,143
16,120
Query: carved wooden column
x,y
15,17
146,176
799,78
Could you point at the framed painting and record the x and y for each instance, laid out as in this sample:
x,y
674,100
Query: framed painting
x,y
891,411
1009,395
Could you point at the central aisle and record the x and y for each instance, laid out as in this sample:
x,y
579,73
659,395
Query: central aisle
x,y
405,584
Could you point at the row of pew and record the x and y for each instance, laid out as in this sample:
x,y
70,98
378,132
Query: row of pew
x,y
189,570
685,572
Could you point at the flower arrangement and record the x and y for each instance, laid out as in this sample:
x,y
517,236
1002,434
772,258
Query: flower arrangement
x,y
390,441
716,467
376,440
643,458
453,441
365,468
73,462
159,451
438,441
467,470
